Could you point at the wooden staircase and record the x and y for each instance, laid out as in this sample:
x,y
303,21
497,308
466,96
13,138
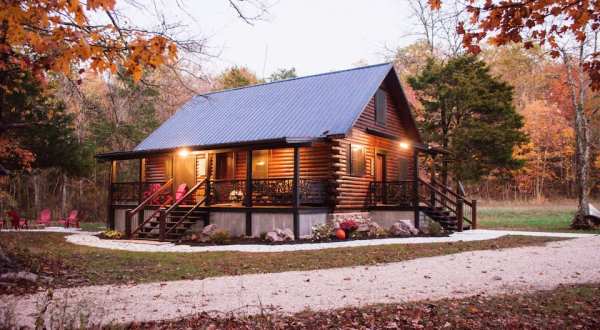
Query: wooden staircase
x,y
176,226
447,207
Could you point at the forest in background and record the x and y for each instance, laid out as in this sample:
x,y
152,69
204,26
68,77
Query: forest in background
x,y
115,110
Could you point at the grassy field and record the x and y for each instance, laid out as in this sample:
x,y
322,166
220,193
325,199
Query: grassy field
x,y
567,307
50,255
554,217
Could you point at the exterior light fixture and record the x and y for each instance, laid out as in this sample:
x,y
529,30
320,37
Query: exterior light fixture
x,y
183,152
404,145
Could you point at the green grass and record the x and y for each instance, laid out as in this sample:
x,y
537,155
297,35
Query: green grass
x,y
93,226
69,264
554,218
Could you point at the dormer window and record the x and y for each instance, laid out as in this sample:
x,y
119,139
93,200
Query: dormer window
x,y
380,107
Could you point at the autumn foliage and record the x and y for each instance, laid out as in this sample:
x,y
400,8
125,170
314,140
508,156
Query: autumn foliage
x,y
43,36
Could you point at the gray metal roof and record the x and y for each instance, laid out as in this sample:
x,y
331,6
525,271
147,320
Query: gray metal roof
x,y
300,108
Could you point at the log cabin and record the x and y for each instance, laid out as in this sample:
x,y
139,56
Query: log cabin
x,y
285,154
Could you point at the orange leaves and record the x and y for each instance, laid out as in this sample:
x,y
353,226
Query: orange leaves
x,y
435,4
54,35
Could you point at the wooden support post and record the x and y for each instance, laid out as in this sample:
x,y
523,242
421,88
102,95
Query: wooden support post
x,y
432,197
207,192
110,210
128,223
416,187
296,192
474,214
162,225
459,214
248,195
141,190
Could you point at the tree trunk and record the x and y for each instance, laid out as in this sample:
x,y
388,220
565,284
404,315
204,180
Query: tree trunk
x,y
63,205
582,219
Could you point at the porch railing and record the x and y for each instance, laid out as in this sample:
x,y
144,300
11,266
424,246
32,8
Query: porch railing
x,y
397,193
270,192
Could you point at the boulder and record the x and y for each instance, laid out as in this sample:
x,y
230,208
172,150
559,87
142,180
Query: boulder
x,y
364,227
19,276
209,230
273,237
403,228
286,234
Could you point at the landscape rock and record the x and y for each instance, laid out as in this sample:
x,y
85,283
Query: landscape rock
x,y
207,233
403,228
286,234
273,237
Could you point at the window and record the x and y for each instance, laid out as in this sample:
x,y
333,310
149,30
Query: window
x,y
225,165
380,107
357,160
260,164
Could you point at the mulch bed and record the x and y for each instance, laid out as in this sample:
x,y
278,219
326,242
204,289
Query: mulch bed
x,y
568,307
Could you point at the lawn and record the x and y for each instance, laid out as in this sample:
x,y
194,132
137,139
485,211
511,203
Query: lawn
x,y
567,307
543,217
93,226
49,254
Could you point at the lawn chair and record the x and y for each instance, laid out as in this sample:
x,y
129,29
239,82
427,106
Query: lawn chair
x,y
181,191
16,220
44,218
71,221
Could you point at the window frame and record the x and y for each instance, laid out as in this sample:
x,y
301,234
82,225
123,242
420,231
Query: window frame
x,y
380,107
255,157
351,158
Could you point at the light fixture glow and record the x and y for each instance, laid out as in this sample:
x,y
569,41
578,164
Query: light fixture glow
x,y
183,152
357,146
404,145
260,163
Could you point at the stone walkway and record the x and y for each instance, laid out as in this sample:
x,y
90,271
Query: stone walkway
x,y
451,276
153,246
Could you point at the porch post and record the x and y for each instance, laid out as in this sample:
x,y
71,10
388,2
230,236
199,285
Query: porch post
x,y
432,197
140,189
111,178
416,186
296,192
248,195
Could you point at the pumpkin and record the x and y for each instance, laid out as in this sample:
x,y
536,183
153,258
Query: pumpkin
x,y
340,234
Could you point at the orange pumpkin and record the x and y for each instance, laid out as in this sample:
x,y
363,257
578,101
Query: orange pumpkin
x,y
340,234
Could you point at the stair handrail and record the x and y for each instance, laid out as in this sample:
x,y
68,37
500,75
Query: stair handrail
x,y
184,197
130,213
458,204
185,216
153,215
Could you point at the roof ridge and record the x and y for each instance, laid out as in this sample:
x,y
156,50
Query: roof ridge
x,y
296,78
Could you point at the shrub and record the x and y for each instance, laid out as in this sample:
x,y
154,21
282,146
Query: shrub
x,y
220,237
322,232
112,234
434,228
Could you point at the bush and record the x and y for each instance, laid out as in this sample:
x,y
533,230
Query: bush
x,y
220,237
434,228
322,232
349,225
112,234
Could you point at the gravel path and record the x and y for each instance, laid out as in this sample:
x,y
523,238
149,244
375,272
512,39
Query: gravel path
x,y
458,275
153,246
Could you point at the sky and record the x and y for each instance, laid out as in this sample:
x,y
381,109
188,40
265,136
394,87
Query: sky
x,y
312,36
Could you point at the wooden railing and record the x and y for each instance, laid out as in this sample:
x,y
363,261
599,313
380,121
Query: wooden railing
x,y
397,193
273,191
432,196
163,214
130,213
469,206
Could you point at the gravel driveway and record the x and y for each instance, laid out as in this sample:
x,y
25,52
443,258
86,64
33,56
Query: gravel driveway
x,y
458,275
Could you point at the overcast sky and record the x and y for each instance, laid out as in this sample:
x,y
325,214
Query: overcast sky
x,y
311,35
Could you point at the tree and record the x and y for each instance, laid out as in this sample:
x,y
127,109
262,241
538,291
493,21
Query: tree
x,y
470,113
282,74
568,29
236,77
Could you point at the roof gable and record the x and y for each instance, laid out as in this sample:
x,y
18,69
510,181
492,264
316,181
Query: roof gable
x,y
301,108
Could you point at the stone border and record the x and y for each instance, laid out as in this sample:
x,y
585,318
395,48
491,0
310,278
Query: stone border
x,y
143,246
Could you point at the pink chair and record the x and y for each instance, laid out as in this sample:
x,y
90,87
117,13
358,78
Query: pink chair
x,y
181,191
44,218
71,221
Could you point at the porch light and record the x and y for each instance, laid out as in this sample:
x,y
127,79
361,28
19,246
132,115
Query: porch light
x,y
184,152
404,145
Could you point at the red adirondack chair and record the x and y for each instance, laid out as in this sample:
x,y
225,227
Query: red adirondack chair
x,y
71,221
44,218
16,220
181,191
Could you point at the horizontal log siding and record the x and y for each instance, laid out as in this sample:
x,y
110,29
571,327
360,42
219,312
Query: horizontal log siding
x,y
315,162
352,192
157,169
